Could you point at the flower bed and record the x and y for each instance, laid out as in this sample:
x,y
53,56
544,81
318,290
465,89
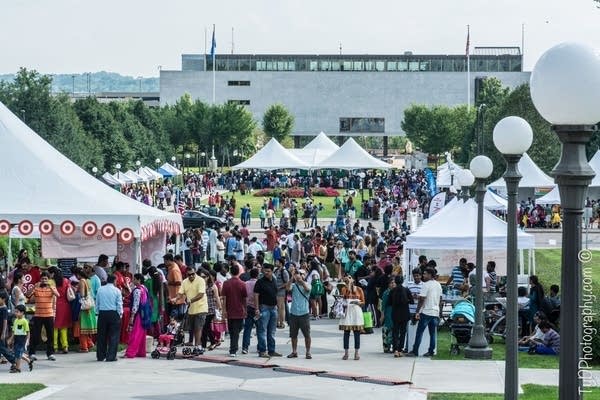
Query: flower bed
x,y
296,192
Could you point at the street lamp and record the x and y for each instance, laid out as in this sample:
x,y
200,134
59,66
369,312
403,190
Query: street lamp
x,y
95,171
118,167
478,348
157,161
203,155
187,157
565,89
138,163
512,137
466,180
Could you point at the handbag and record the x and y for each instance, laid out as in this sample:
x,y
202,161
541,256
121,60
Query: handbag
x,y
87,303
339,308
70,294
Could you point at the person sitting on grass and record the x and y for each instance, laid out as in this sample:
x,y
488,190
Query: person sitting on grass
x,y
550,343
537,336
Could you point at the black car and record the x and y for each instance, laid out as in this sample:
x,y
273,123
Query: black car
x,y
197,219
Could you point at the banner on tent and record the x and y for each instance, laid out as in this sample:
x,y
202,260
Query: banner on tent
x,y
77,244
437,203
153,249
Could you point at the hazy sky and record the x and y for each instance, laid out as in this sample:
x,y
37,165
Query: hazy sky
x,y
134,37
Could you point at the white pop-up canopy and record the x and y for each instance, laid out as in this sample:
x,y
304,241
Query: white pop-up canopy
x,y
493,202
273,156
552,197
458,230
447,175
317,150
149,173
111,180
533,176
136,177
123,177
352,156
43,185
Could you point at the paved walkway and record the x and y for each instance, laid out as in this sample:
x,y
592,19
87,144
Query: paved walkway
x,y
76,376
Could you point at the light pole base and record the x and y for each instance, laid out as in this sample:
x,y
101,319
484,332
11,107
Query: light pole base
x,y
478,353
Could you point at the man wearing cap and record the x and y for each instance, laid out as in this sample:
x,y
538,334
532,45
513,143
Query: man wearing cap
x,y
299,319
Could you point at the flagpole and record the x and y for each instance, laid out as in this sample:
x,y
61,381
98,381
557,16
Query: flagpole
x,y
213,51
205,48
522,46
468,69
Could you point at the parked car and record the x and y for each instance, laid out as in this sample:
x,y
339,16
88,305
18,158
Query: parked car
x,y
196,219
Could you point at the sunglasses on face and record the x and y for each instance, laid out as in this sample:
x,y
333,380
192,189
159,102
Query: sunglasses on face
x,y
191,274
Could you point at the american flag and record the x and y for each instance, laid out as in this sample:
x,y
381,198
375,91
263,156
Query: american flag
x,y
181,206
467,49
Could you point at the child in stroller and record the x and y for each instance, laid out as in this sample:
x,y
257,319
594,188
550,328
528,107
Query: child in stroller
x,y
168,341
462,318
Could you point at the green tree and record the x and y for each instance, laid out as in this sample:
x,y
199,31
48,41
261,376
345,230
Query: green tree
x,y
277,122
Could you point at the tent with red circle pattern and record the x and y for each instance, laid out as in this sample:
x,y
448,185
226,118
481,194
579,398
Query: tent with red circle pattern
x,y
44,188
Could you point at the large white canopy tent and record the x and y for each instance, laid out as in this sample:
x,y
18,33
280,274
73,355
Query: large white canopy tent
x,y
111,180
551,198
317,150
149,173
272,156
456,230
48,186
138,178
123,177
493,202
533,177
352,156
447,175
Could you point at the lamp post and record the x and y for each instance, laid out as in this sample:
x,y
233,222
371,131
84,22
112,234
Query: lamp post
x,y
118,167
187,158
202,156
565,89
173,160
466,180
95,171
157,161
512,137
478,348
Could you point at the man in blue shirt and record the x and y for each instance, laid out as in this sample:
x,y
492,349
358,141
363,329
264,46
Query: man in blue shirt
x,y
299,319
109,307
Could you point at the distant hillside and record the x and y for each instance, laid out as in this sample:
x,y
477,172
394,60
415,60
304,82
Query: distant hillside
x,y
99,82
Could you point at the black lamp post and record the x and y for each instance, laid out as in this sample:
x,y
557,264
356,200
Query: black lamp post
x,y
466,180
481,167
512,137
565,89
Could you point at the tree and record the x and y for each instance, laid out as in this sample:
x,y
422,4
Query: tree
x,y
278,122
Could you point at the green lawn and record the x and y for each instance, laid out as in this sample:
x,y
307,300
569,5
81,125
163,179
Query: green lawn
x,y
257,202
10,391
530,392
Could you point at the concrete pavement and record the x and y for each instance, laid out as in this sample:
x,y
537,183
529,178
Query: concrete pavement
x,y
76,376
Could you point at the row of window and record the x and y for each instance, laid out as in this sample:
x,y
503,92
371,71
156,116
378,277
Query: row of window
x,y
448,64
239,102
362,125
238,83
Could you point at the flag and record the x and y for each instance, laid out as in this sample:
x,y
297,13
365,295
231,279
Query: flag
x,y
213,45
467,49
180,206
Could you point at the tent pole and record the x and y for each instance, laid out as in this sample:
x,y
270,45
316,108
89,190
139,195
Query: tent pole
x,y
9,252
138,254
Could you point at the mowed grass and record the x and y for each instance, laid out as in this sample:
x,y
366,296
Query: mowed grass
x,y
13,391
256,203
530,392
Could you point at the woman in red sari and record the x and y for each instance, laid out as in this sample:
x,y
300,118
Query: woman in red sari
x,y
122,282
136,347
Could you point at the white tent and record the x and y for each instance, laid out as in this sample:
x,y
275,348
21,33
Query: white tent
x,y
444,175
149,173
124,178
458,230
352,156
322,142
52,187
317,150
595,164
273,156
533,176
111,180
493,202
168,170
552,197
136,177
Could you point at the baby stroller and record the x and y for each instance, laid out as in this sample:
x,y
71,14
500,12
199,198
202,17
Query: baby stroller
x,y
462,319
338,307
168,342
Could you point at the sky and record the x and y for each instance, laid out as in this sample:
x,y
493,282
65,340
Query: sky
x,y
135,37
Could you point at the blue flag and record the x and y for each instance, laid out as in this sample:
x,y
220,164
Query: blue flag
x,y
213,45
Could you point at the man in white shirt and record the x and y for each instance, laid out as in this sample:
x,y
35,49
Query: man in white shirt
x,y
473,279
428,312
255,247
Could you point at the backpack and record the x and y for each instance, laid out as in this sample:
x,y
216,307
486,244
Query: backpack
x,y
145,307
316,287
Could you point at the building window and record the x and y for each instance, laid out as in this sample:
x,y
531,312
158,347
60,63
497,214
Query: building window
x,y
239,102
238,83
362,125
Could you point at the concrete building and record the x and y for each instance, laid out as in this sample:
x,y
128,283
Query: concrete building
x,y
341,95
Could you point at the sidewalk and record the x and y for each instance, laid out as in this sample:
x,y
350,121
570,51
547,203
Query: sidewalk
x,y
76,376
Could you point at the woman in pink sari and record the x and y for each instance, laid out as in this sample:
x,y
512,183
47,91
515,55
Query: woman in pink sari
x,y
136,347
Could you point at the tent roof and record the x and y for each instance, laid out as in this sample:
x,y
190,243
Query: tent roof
x,y
123,177
595,164
493,202
533,176
444,177
458,230
273,156
352,156
322,142
168,170
47,185
552,197
111,180
311,157
134,175
152,174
